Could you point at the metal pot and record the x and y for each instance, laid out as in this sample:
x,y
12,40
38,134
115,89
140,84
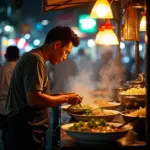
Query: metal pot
x,y
132,101
116,92
137,83
139,125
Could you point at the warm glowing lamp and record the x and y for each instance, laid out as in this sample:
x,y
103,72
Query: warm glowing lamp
x,y
143,22
99,36
101,9
108,37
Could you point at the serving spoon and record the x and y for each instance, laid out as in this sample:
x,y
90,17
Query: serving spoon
x,y
129,121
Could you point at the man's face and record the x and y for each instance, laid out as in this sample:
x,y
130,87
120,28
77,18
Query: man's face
x,y
60,52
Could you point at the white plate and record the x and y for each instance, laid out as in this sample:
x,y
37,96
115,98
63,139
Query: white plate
x,y
88,118
112,105
71,110
96,137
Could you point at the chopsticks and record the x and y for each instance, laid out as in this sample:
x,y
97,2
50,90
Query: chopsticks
x,y
80,104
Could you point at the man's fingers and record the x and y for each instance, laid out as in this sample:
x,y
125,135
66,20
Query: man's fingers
x,y
79,99
75,98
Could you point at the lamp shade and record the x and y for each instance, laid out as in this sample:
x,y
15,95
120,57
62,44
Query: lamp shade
x,y
106,35
143,22
109,37
101,9
99,36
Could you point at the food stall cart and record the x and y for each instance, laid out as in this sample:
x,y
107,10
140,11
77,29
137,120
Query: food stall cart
x,y
63,141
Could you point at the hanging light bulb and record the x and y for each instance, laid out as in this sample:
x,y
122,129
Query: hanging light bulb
x,y
101,9
143,22
108,37
99,36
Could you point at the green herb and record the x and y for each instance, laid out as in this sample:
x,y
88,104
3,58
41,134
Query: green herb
x,y
102,122
88,112
92,123
81,123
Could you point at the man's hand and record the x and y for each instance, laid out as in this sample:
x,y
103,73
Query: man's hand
x,y
74,99
70,98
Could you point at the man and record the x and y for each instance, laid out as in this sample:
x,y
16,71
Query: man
x,y
11,56
27,101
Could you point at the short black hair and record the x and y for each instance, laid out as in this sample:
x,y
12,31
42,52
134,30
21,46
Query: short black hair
x,y
64,34
12,53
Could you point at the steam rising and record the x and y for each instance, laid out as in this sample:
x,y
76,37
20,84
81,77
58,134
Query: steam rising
x,y
111,76
82,85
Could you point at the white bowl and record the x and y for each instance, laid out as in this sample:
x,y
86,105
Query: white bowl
x,y
98,136
78,117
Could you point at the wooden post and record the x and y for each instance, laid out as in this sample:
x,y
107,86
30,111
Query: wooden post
x,y
137,56
147,72
0,50
119,31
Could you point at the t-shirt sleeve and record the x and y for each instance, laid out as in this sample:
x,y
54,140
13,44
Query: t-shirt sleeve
x,y
34,74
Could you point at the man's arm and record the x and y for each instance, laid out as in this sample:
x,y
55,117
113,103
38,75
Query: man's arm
x,y
41,100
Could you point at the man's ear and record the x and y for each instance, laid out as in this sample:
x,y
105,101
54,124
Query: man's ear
x,y
57,44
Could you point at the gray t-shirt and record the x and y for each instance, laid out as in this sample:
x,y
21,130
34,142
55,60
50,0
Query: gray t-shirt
x,y
30,74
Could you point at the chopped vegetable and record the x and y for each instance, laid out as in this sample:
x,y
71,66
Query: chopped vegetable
x,y
77,106
103,122
94,126
97,112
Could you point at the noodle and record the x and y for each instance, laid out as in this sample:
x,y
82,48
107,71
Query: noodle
x,y
140,112
134,91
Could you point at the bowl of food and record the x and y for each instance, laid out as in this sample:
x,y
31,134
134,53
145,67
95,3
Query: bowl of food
x,y
95,131
104,104
139,124
133,98
108,115
75,108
